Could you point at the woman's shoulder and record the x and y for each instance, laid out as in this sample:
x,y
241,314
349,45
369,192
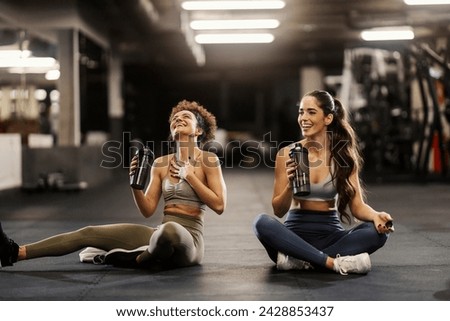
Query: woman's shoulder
x,y
207,153
209,158
163,158
162,161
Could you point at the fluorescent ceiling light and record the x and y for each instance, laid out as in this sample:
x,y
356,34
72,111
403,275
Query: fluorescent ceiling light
x,y
234,24
27,70
425,2
232,5
27,62
8,54
377,34
234,38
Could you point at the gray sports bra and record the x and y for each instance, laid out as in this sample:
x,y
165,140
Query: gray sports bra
x,y
180,193
322,191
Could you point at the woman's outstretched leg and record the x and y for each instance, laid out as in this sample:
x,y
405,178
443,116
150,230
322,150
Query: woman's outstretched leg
x,y
105,237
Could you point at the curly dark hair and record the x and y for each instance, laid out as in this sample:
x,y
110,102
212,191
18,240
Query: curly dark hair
x,y
206,121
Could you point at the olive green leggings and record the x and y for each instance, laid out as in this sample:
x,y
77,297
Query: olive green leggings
x,y
178,239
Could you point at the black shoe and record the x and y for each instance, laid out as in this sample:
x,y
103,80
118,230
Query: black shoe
x,y
124,258
9,250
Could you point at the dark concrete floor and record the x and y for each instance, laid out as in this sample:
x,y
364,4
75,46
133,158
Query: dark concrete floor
x,y
414,264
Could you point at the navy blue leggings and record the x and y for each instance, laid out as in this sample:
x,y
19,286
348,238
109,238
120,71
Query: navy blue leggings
x,y
313,236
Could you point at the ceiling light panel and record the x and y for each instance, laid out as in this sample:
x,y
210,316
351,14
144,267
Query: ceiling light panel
x,y
44,62
8,54
234,24
234,38
233,5
426,2
382,34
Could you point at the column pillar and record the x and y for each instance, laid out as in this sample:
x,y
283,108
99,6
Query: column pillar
x,y
115,97
69,88
311,78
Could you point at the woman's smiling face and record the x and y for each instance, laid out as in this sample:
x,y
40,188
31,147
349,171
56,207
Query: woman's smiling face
x,y
183,123
311,117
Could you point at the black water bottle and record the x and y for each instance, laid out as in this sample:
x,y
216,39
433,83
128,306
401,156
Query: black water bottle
x,y
140,175
300,184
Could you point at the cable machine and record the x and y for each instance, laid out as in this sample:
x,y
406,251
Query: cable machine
x,y
431,131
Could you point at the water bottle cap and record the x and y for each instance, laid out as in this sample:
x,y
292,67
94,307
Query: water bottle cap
x,y
147,151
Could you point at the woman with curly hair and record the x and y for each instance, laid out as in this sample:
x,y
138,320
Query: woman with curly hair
x,y
189,180
312,234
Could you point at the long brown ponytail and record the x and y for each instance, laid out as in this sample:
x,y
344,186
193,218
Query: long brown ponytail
x,y
345,153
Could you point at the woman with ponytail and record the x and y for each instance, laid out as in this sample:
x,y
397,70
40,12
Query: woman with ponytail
x,y
312,235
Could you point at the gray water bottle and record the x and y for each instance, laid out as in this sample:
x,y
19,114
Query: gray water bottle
x,y
140,175
300,184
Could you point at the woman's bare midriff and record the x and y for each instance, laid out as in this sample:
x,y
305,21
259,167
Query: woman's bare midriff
x,y
314,205
182,209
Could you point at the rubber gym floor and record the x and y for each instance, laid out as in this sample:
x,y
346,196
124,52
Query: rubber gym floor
x,y
413,265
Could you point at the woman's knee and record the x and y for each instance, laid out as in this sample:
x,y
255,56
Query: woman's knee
x,y
170,232
259,221
87,231
264,224
381,237
264,219
378,240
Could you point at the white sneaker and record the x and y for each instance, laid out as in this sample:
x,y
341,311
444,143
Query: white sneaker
x,y
359,264
285,263
92,255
